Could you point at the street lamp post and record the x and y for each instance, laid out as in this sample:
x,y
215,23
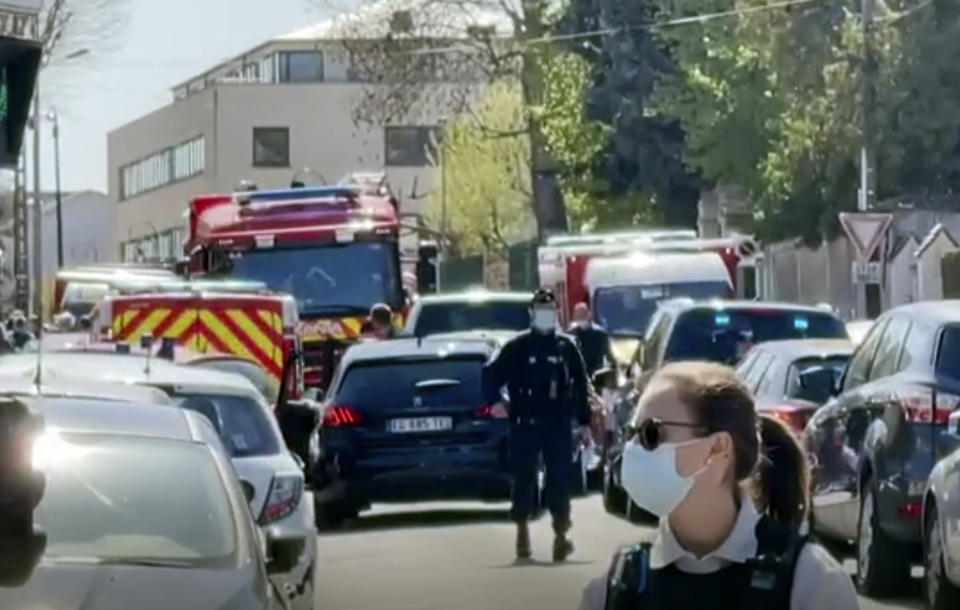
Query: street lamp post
x,y
442,124
54,118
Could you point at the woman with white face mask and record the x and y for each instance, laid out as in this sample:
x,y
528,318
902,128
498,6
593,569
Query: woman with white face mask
x,y
730,489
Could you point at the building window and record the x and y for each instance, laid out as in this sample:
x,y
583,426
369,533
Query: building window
x,y
408,146
160,169
301,66
271,147
266,69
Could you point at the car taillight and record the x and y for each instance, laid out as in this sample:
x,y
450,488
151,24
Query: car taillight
x,y
911,509
490,411
918,405
284,496
794,418
341,415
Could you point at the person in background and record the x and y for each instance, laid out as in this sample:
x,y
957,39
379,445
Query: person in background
x,y
547,386
21,335
731,491
592,339
382,319
367,331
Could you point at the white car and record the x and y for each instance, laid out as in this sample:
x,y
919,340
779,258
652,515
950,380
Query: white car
x,y
279,500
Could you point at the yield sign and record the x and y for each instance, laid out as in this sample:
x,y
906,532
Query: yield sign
x,y
865,231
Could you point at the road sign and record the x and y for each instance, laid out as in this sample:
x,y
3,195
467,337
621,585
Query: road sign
x,y
867,273
865,231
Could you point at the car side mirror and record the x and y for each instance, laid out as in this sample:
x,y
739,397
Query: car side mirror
x,y
248,491
283,551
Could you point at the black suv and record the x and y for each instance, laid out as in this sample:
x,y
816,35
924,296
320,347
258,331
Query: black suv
x,y
716,331
877,441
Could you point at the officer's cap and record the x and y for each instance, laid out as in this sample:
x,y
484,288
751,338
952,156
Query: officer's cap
x,y
544,296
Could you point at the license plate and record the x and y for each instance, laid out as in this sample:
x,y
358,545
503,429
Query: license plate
x,y
420,424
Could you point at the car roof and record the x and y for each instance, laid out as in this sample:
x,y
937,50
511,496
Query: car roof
x,y
408,348
938,312
733,305
476,296
131,369
23,383
808,348
120,418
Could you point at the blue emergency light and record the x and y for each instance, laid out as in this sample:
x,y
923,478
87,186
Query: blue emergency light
x,y
722,319
319,192
801,323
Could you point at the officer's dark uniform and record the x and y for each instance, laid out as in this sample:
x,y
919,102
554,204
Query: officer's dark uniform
x,y
594,343
547,383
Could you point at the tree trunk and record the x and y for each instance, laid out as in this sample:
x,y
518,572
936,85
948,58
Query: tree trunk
x,y
549,208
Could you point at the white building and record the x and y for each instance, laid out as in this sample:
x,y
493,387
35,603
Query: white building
x,y
264,115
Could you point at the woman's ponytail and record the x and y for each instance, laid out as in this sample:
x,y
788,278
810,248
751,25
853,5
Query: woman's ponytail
x,y
782,476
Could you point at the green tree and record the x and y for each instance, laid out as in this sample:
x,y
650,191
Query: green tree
x,y
485,157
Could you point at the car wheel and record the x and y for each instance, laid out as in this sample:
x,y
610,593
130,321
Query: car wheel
x,y
940,593
883,564
614,498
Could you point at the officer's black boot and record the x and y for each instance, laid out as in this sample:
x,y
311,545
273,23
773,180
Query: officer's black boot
x,y
562,546
523,541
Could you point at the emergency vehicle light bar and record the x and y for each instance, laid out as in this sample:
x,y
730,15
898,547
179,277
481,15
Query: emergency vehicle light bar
x,y
302,193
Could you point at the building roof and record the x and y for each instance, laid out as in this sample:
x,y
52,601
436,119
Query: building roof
x,y
932,237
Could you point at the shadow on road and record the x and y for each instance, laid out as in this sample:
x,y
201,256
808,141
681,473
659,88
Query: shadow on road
x,y
423,519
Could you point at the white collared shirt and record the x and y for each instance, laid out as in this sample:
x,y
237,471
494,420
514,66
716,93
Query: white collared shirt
x,y
819,581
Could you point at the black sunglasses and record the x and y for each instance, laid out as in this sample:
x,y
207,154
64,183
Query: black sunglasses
x,y
650,431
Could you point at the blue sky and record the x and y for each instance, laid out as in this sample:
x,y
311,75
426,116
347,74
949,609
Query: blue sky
x,y
165,42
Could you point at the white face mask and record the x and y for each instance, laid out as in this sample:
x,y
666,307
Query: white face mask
x,y
544,320
651,480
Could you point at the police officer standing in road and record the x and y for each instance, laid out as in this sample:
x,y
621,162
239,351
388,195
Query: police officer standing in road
x,y
547,385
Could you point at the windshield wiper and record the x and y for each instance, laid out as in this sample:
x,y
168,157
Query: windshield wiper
x,y
144,562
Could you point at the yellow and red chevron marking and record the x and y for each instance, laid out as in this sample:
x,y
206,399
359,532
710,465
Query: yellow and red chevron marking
x,y
330,329
255,333
337,329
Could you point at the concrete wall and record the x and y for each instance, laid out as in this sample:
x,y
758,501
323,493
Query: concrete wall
x,y
162,208
795,273
901,274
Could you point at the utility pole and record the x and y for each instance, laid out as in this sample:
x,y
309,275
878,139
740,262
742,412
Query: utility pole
x,y
21,257
37,214
55,119
868,159
442,123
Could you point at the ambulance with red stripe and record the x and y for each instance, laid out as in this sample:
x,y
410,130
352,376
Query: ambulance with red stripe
x,y
334,248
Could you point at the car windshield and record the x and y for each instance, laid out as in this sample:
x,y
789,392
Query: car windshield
x,y
816,389
240,421
626,310
125,500
383,385
329,278
436,318
725,335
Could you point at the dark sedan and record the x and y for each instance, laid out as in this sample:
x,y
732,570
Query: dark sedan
x,y
792,379
405,420
877,441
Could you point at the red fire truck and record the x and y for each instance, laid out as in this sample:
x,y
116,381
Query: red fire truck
x,y
334,248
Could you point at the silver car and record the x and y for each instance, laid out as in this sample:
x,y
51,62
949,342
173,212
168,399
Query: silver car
x,y
141,509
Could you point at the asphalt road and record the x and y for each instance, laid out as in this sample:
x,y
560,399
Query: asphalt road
x,y
459,556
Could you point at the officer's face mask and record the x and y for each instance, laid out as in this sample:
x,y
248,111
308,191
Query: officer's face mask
x,y
544,319
650,477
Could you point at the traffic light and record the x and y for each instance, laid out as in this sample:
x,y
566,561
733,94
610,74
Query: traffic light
x,y
19,63
21,489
